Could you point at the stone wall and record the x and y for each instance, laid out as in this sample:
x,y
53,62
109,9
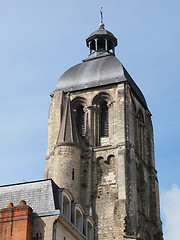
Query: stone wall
x,y
118,183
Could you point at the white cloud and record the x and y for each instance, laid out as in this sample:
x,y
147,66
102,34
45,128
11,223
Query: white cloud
x,y
170,209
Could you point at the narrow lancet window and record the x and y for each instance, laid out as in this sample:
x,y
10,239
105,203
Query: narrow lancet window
x,y
80,120
104,122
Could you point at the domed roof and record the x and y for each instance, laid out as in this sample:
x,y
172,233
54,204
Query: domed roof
x,y
99,71
101,31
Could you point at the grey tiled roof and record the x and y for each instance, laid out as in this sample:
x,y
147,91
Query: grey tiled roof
x,y
95,72
41,196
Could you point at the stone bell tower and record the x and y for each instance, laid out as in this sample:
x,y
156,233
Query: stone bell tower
x,y
101,147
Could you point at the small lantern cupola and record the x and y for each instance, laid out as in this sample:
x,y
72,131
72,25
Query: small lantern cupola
x,y
101,42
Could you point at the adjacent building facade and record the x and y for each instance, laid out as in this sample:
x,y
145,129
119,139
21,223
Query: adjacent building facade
x,y
47,213
100,150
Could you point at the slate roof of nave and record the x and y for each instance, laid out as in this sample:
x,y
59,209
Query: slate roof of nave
x,y
41,195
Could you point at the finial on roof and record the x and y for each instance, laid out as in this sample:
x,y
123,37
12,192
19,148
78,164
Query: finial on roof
x,y
101,26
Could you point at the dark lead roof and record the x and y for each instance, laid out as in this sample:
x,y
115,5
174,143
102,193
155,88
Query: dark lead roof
x,y
100,68
41,196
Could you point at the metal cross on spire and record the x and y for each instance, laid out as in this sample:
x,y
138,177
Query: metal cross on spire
x,y
101,26
101,12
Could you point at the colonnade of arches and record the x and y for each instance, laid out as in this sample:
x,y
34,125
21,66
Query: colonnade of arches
x,y
101,45
94,118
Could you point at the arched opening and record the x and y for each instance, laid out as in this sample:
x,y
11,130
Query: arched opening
x,y
110,160
110,46
90,229
66,207
38,236
101,119
79,219
101,45
104,120
92,46
78,105
80,120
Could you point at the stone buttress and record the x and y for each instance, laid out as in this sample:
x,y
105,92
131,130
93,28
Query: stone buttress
x,y
63,163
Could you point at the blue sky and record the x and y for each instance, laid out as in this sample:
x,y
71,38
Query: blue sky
x,y
40,39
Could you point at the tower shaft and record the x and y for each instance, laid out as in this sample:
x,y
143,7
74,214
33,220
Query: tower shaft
x,y
101,145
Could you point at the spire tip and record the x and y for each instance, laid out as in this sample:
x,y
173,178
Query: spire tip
x,y
101,26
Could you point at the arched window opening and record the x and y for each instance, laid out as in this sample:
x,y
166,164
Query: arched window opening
x,y
78,220
101,45
90,231
38,236
80,120
66,207
101,119
110,45
104,121
110,159
92,46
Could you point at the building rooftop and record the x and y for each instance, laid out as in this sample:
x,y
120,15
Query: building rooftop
x,y
41,196
103,70
100,68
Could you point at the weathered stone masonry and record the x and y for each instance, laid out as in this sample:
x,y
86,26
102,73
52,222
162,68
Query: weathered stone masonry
x,y
106,155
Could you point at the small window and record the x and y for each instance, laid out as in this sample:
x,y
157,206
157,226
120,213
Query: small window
x,y
89,228
73,174
38,236
66,207
104,123
78,220
90,231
